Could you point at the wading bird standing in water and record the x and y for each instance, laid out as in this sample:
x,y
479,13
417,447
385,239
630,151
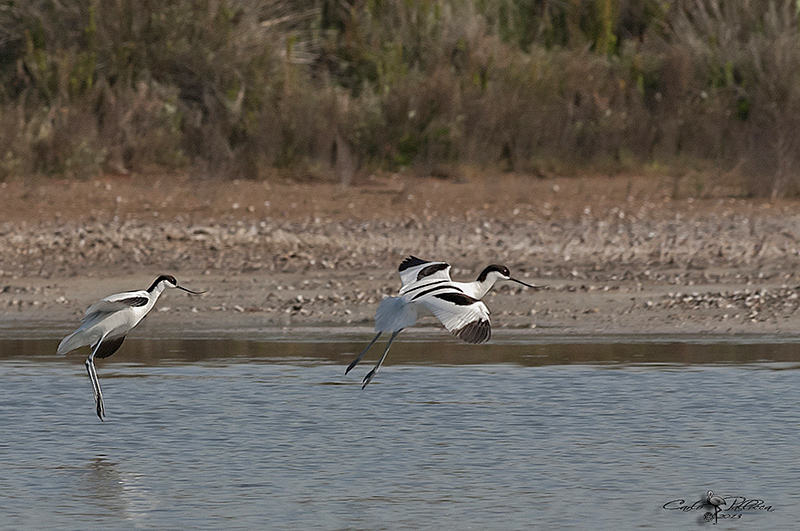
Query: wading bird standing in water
x,y
106,323
715,501
427,286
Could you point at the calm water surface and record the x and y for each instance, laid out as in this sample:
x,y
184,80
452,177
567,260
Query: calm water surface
x,y
208,434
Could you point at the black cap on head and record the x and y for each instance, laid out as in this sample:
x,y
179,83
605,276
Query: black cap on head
x,y
503,270
162,278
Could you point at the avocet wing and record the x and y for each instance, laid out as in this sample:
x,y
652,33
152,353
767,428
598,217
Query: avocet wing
x,y
117,302
462,315
413,270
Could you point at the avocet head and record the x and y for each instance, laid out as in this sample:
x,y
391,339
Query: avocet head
x,y
168,281
496,272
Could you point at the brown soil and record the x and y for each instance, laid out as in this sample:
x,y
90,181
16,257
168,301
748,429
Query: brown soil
x,y
619,255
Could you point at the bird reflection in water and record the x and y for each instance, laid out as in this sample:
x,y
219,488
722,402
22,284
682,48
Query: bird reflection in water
x,y
117,492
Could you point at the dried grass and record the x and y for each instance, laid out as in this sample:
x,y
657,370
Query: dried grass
x,y
329,90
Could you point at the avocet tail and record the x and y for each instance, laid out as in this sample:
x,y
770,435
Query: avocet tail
x,y
71,342
394,314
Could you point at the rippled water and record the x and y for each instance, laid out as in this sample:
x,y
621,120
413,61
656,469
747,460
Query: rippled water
x,y
250,435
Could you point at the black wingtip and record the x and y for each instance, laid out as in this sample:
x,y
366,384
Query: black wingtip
x,y
109,346
411,261
475,332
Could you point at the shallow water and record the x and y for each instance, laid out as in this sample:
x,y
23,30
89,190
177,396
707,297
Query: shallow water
x,y
224,434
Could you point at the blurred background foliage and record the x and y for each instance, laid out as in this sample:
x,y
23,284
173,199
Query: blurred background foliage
x,y
334,89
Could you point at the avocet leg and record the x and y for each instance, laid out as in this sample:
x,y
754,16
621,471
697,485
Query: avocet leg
x,y
98,393
355,361
374,371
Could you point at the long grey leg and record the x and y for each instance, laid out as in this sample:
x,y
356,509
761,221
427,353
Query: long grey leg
x,y
98,393
355,361
374,371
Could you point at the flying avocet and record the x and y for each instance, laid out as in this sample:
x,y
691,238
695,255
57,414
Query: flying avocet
x,y
427,286
106,323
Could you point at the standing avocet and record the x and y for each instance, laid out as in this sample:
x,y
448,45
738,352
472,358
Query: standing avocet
x,y
427,286
108,320
715,501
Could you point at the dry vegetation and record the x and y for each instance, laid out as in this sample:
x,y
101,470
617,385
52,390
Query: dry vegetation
x,y
332,90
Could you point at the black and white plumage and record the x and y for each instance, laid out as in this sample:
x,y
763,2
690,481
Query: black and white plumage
x,y
427,287
714,500
106,323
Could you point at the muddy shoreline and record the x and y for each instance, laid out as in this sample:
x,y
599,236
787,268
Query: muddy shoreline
x,y
620,256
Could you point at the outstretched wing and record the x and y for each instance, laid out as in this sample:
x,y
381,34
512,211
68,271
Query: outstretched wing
x,y
117,302
462,315
413,270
